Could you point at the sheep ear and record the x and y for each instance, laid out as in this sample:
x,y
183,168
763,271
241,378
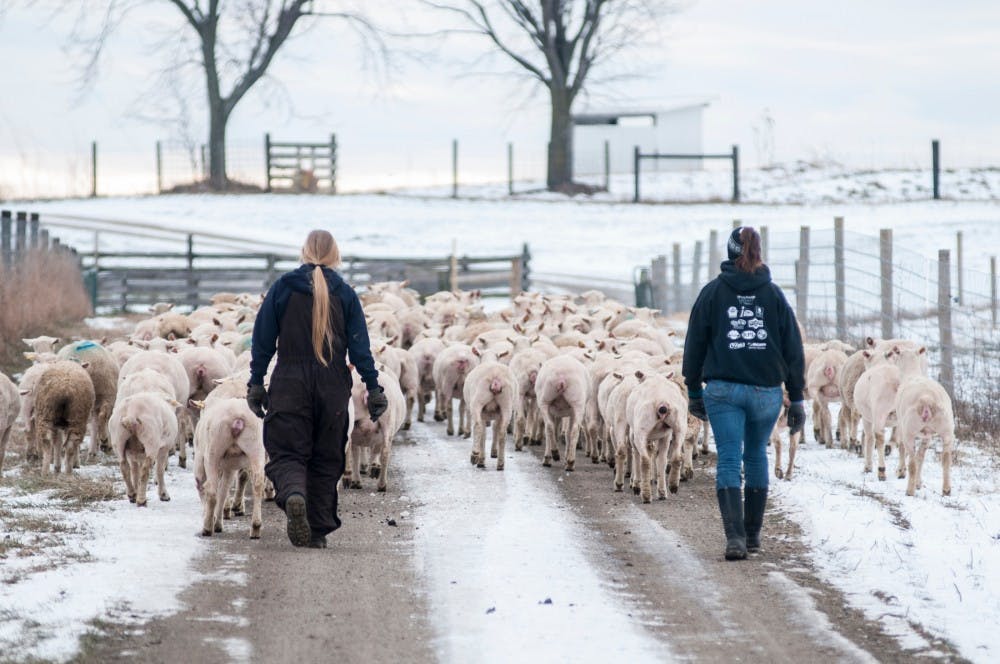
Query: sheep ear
x,y
608,319
218,381
85,364
482,342
535,338
670,374
867,354
641,376
601,345
870,342
672,333
923,349
475,351
27,342
215,337
618,375
200,405
502,353
581,344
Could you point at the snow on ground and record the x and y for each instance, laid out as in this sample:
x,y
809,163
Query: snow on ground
x,y
506,563
921,565
105,567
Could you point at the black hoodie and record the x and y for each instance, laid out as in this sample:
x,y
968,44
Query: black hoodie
x,y
743,330
272,309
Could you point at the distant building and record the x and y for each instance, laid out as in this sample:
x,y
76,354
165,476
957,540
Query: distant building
x,y
675,129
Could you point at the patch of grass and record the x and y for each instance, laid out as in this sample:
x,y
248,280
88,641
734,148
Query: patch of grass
x,y
73,489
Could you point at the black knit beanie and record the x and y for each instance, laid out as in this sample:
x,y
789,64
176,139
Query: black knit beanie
x,y
735,245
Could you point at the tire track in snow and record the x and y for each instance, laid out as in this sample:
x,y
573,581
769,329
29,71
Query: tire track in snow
x,y
494,547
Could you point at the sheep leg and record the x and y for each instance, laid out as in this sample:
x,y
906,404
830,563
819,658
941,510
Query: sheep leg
x,y
257,482
550,439
880,442
645,468
904,451
348,465
868,442
687,450
478,457
911,481
239,507
500,442
95,441
383,478
817,419
182,451
844,430
921,452
826,423
209,498
127,476
375,459
674,454
793,446
464,416
494,452
409,411
571,437
225,484
776,444
142,467
636,466
421,406
519,428
660,465
946,443
3,446
355,467
161,466
449,411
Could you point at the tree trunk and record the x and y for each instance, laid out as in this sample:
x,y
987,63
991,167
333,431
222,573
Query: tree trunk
x,y
217,149
560,171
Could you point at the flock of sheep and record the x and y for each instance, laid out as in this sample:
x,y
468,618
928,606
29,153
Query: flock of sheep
x,y
563,371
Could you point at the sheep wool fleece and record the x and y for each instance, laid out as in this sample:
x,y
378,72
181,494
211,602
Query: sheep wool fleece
x,y
305,429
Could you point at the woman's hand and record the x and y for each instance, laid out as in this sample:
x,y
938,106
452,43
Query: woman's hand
x,y
257,400
377,403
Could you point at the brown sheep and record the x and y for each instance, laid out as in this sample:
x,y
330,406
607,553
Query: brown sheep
x,y
64,399
103,370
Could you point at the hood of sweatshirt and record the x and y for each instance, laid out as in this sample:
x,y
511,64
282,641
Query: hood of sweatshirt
x,y
742,282
300,279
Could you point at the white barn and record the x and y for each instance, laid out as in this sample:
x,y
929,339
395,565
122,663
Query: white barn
x,y
673,129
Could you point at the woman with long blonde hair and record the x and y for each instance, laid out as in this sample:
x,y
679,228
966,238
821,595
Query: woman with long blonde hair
x,y
314,320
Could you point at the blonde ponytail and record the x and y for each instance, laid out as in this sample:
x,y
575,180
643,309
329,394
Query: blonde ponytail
x,y
321,250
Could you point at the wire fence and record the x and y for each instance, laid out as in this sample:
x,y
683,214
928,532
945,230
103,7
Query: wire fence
x,y
850,286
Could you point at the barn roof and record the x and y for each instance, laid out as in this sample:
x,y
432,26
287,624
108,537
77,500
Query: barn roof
x,y
611,116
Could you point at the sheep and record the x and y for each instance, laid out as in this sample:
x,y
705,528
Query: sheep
x,y
42,344
923,409
160,308
143,429
374,435
122,351
657,416
793,441
490,391
527,423
228,439
408,375
562,387
103,370
450,369
424,353
26,387
63,400
10,406
173,369
203,367
823,385
847,420
615,389
875,397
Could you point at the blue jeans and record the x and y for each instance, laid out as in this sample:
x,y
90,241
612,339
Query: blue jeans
x,y
742,417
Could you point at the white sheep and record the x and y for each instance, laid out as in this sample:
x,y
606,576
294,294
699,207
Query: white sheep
x,y
10,406
143,430
657,414
376,436
42,344
424,352
562,387
923,409
823,385
490,391
229,438
451,367
528,421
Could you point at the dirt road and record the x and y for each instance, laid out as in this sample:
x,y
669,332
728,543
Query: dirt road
x,y
459,564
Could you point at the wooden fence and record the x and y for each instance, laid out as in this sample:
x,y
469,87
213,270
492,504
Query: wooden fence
x,y
301,167
22,233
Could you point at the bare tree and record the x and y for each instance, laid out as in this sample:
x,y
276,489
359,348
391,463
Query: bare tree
x,y
559,44
235,41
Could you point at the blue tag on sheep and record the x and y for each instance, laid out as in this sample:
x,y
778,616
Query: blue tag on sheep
x,y
84,345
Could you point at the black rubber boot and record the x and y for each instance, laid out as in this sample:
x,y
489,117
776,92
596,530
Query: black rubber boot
x,y
298,525
731,509
753,516
317,541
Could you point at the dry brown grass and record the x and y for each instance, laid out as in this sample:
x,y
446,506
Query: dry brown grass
x,y
43,289
73,489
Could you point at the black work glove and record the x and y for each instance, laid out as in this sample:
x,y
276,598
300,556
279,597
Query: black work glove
x,y
796,417
696,405
377,403
257,400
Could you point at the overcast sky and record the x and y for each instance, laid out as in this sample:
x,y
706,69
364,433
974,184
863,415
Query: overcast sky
x,y
868,82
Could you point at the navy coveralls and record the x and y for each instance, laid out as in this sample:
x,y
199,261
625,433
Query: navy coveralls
x,y
305,428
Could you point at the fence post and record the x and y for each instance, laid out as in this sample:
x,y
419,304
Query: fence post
x,y
713,252
607,165
454,168
696,271
993,289
97,252
765,243
333,163
658,277
204,163
453,267
159,168
736,174
947,377
839,277
124,287
33,223
525,267
936,167
267,161
21,236
271,271
885,254
959,268
635,171
678,294
802,278
510,169
192,284
5,246
515,277
93,169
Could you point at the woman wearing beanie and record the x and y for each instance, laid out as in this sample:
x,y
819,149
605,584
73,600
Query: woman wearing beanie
x,y
314,320
743,342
